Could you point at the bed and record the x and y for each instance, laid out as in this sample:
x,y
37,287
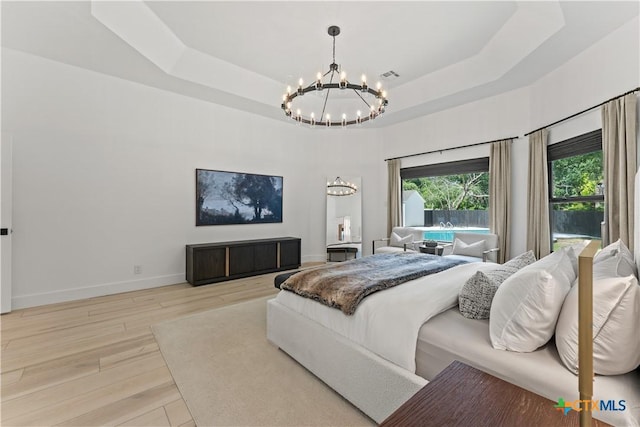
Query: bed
x,y
379,357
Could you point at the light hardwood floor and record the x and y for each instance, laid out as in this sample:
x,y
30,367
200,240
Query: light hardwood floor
x,y
96,361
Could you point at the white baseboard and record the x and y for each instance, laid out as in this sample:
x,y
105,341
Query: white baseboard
x,y
25,301
314,258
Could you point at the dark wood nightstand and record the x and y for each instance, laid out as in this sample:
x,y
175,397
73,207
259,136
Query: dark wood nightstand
x,y
464,396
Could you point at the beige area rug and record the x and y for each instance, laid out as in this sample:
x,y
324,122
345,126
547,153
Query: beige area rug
x,y
229,374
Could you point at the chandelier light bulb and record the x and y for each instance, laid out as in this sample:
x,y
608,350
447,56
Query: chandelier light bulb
x,y
378,86
365,88
318,84
288,90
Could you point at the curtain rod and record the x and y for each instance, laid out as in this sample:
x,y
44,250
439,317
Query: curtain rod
x,y
583,111
449,148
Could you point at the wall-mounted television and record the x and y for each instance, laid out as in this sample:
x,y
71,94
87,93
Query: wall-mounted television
x,y
237,198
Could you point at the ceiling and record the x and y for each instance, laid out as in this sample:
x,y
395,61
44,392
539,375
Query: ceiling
x,y
243,54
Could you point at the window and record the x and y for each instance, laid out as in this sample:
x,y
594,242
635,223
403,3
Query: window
x,y
446,197
576,192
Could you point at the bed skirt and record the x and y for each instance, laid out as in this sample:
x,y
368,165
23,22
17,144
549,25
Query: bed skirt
x,y
374,385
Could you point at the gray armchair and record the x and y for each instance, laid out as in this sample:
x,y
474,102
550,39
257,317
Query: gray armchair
x,y
474,247
401,239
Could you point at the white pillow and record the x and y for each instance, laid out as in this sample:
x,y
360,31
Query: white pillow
x,y
616,266
472,249
398,241
526,306
574,251
616,249
616,326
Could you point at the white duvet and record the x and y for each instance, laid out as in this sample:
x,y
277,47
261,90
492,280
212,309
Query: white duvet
x,y
387,322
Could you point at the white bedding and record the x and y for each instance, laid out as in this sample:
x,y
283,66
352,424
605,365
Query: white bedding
x,y
449,336
387,322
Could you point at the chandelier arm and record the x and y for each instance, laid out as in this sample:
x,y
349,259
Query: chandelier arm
x,y
363,100
326,97
324,106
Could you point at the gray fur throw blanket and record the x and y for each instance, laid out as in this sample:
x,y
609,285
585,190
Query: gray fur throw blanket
x,y
344,285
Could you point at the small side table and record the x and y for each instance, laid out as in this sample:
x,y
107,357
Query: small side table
x,y
464,396
433,250
341,253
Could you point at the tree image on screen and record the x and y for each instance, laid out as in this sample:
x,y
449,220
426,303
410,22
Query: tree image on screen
x,y
237,198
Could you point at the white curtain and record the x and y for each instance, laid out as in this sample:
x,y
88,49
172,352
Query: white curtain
x,y
619,136
500,196
394,201
538,232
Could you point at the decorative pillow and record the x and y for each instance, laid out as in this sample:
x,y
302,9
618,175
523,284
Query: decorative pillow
x,y
521,260
616,335
399,242
616,249
477,293
472,249
526,306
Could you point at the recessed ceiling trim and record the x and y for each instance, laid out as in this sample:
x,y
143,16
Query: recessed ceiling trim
x,y
538,20
134,23
139,27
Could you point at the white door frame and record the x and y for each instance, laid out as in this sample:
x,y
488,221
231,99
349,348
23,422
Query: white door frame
x,y
6,159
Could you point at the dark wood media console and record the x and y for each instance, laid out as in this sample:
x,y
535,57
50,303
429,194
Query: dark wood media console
x,y
217,262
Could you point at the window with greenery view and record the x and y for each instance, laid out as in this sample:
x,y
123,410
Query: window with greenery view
x,y
576,195
468,191
456,192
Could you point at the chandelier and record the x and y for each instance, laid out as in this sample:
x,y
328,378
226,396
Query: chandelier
x,y
375,100
340,187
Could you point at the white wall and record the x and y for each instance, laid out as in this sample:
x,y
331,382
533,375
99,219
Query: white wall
x,y
104,178
604,70
104,168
